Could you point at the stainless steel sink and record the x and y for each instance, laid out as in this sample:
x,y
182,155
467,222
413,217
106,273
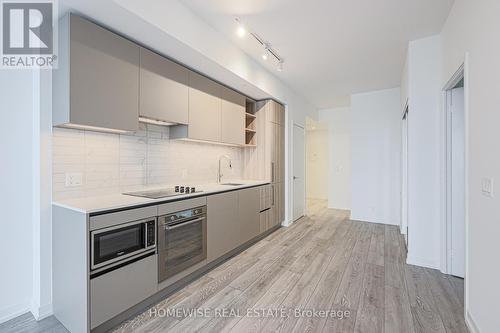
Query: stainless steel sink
x,y
232,184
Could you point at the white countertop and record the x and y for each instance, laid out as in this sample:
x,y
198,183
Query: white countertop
x,y
97,204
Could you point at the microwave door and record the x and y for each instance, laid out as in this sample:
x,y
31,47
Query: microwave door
x,y
117,243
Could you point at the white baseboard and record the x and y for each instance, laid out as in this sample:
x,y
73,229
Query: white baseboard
x,y
41,312
410,260
471,324
13,311
372,220
287,223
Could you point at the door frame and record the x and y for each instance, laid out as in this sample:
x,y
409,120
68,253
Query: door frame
x,y
292,219
447,179
461,72
404,172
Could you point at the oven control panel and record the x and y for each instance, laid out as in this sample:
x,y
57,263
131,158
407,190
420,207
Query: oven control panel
x,y
151,233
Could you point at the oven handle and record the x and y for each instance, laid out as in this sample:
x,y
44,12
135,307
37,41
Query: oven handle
x,y
182,224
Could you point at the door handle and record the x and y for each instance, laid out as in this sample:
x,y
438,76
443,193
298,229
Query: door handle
x,y
294,177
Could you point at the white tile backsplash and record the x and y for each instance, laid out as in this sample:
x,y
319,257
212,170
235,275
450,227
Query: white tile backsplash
x,y
115,163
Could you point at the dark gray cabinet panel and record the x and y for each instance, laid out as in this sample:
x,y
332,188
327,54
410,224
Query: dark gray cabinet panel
x,y
164,89
97,83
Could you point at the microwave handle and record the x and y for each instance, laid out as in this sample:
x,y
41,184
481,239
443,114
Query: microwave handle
x,y
182,224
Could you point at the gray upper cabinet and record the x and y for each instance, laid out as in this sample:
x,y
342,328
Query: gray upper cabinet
x,y
164,89
204,108
204,111
216,113
97,82
232,117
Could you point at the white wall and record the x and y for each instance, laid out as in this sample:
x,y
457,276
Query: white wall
x,y
472,27
316,163
339,156
16,192
376,155
425,152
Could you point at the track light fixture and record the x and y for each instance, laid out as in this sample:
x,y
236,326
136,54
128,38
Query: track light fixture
x,y
242,30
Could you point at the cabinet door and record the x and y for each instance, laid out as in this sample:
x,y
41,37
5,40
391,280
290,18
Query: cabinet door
x,y
204,108
281,153
164,89
281,202
104,77
248,213
116,291
223,229
277,203
232,117
271,111
271,216
263,217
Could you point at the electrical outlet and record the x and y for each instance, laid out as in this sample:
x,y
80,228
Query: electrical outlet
x,y
74,179
487,187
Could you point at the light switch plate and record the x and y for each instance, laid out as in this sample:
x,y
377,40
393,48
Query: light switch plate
x,y
487,187
74,179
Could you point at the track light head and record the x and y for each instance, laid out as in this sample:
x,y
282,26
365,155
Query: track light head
x,y
265,55
280,65
241,31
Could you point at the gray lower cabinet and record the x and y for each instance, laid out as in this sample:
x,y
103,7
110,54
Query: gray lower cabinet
x,y
97,82
117,291
232,219
163,89
248,213
223,229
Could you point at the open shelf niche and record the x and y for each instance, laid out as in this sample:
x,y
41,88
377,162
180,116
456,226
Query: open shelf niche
x,y
250,124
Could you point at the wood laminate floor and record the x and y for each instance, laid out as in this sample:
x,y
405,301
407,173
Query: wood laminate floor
x,y
325,273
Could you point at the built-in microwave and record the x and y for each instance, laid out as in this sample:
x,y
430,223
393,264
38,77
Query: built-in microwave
x,y
119,244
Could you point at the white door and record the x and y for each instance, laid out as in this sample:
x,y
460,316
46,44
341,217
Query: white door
x,y
298,172
457,183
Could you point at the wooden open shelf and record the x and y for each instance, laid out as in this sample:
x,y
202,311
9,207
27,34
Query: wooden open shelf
x,y
250,124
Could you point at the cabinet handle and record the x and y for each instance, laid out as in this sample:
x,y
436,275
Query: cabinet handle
x,y
272,172
273,195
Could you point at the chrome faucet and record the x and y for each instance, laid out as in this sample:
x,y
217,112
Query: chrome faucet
x,y
220,175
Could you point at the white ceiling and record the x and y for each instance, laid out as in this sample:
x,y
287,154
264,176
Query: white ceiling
x,y
332,48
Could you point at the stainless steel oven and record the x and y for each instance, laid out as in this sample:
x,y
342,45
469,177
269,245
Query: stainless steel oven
x,y
182,241
121,243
